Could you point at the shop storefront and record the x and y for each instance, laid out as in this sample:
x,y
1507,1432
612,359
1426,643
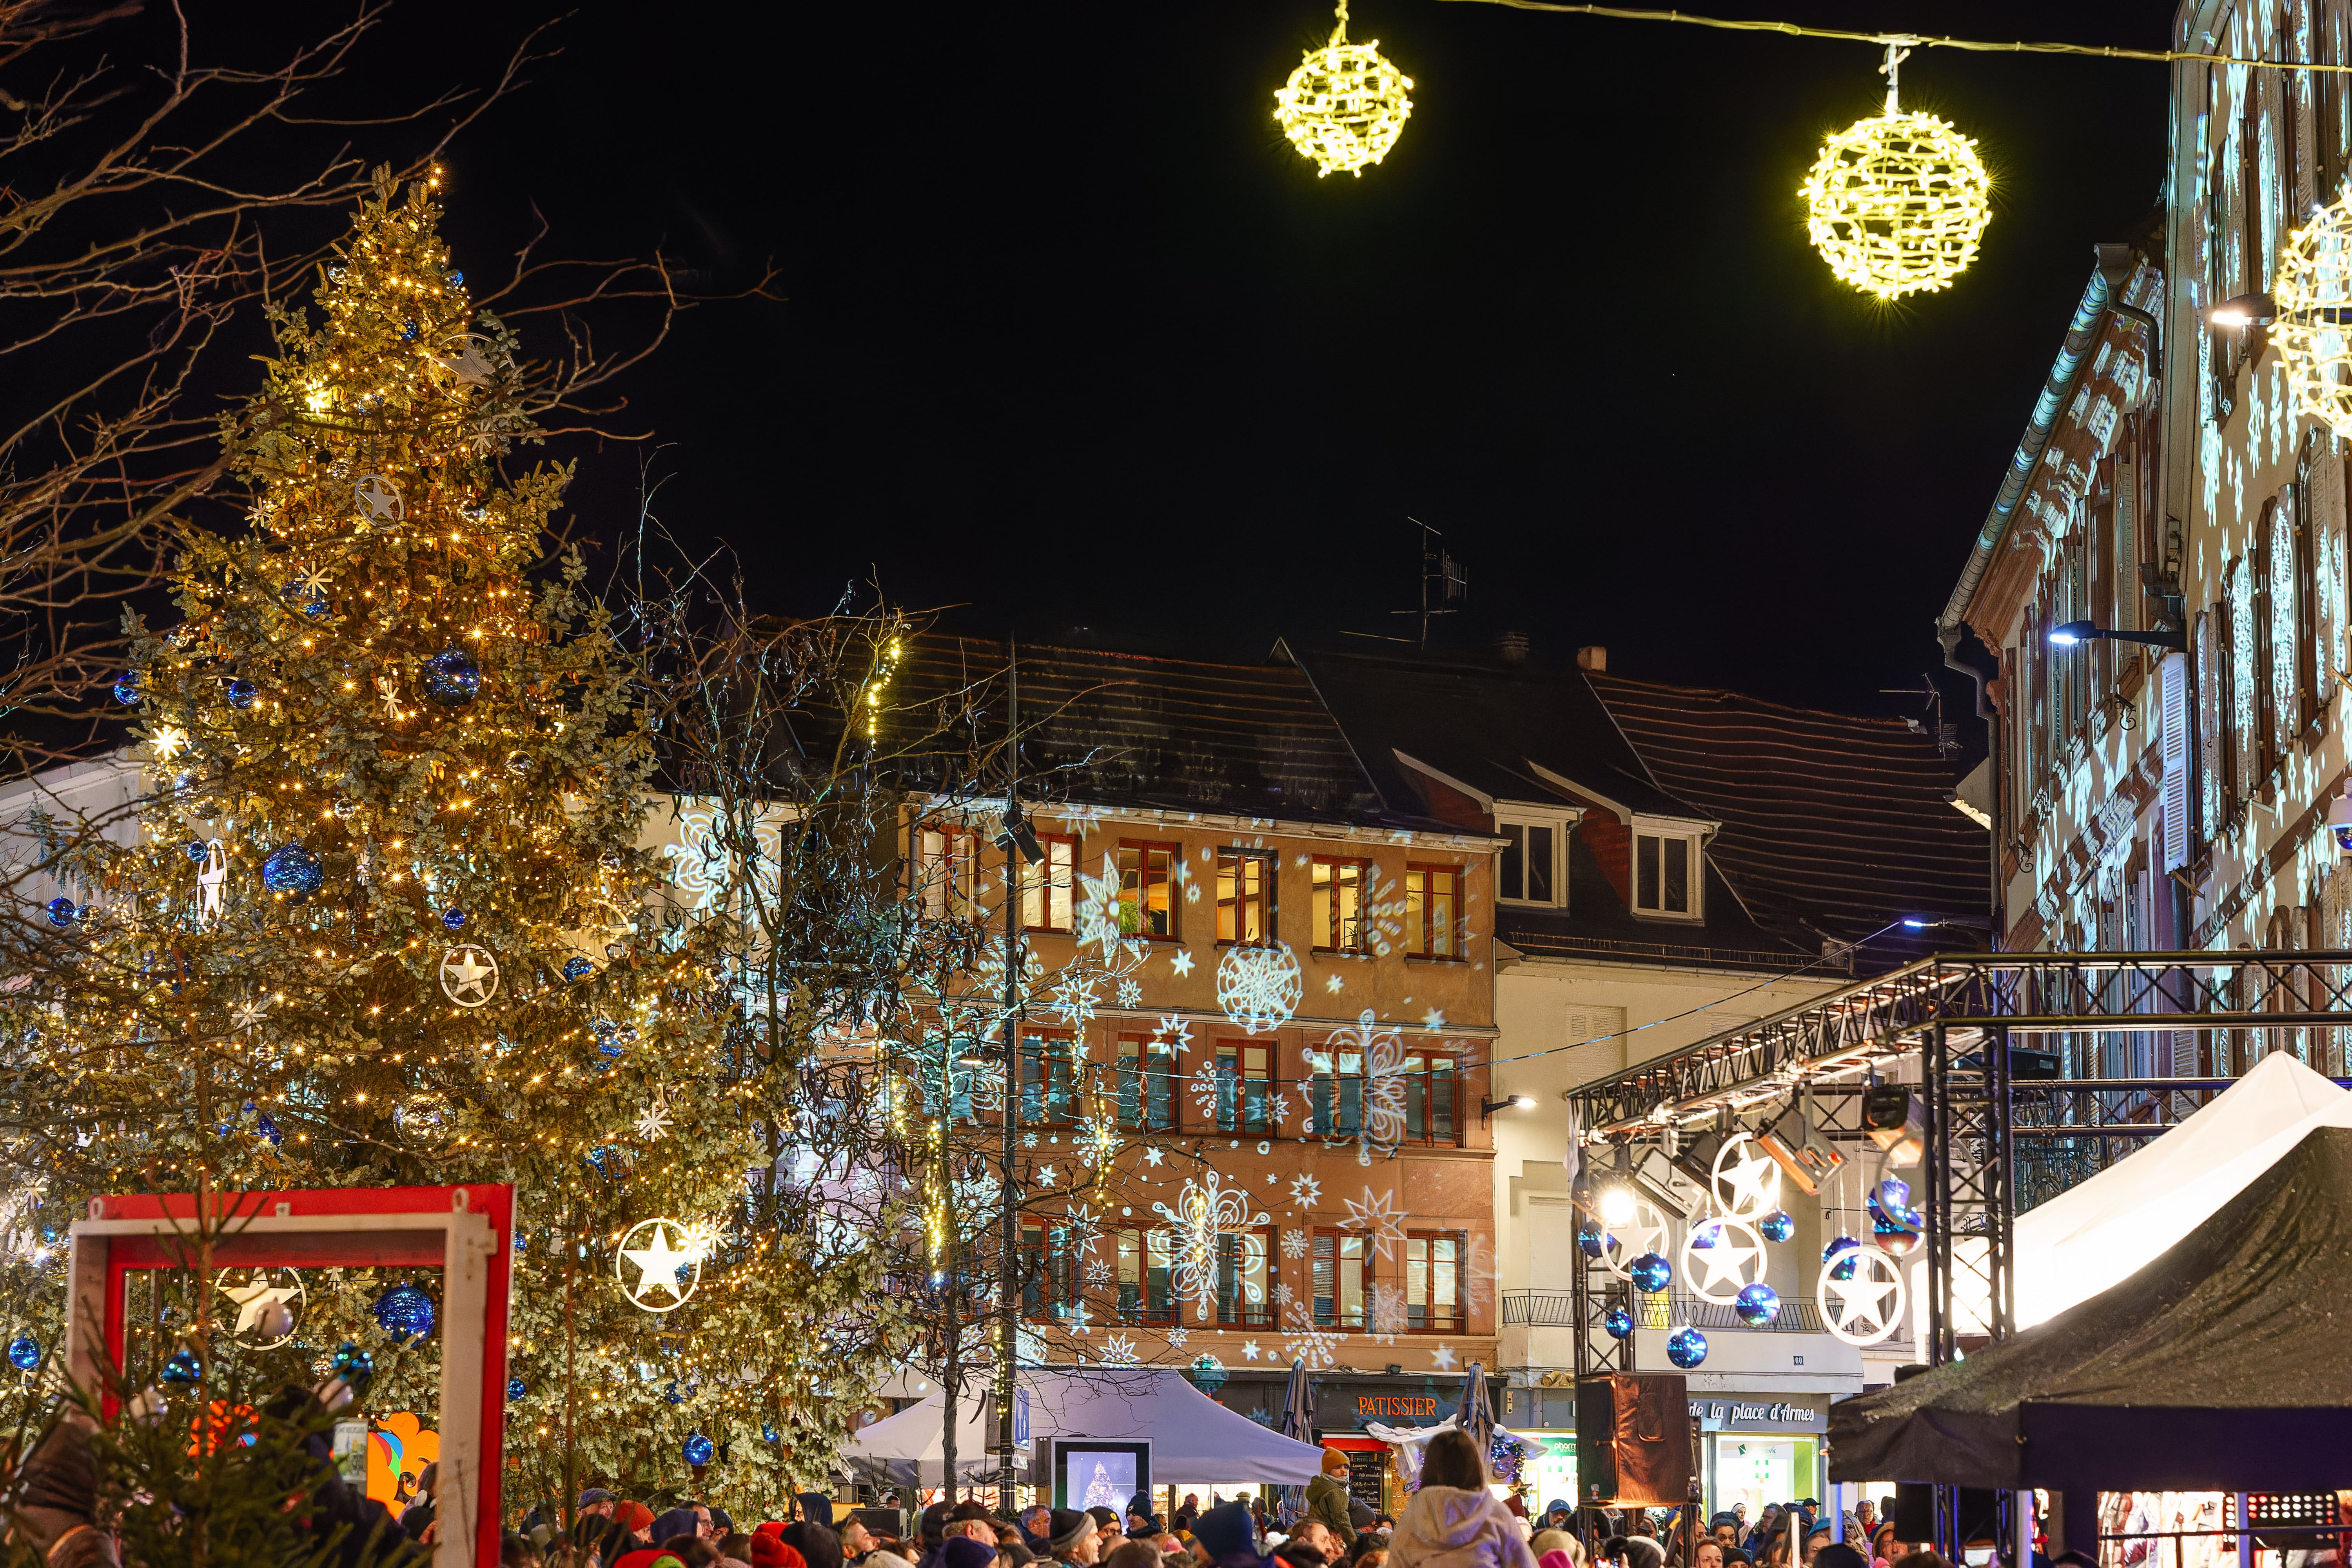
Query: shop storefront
x,y
1345,1404
1761,1451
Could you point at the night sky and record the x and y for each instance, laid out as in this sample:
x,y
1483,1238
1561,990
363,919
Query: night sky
x,y
1073,341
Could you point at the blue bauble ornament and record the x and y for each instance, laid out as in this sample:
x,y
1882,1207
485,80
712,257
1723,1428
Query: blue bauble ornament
x,y
61,912
1756,1305
1777,1225
457,277
404,1313
1590,1240
194,849
290,868
1706,1236
452,677
129,687
767,1433
354,1366
698,1450
182,1369
23,1352
242,693
577,969
269,1129
1687,1347
517,1388
1619,1322
408,331
1897,1235
674,1393
1837,1248
1651,1273
454,919
306,597
1894,1192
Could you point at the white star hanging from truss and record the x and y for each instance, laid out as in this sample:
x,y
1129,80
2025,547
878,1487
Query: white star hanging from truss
x,y
1754,1182
1863,1298
1181,962
1727,1260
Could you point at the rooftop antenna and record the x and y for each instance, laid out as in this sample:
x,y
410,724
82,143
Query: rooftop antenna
x,y
1946,732
1444,582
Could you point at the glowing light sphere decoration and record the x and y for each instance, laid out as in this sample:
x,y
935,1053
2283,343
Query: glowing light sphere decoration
x,y
1345,106
1898,204
2313,325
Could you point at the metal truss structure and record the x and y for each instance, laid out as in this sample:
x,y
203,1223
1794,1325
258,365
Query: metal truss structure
x,y
2001,1048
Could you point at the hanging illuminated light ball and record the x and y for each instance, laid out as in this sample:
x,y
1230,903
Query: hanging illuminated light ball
x,y
2311,324
182,1369
1687,1347
1898,204
1650,1273
1895,1226
1706,1235
1756,1305
1619,1322
1345,105
1777,1225
452,677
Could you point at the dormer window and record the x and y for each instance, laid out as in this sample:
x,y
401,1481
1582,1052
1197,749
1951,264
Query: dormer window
x,y
1667,881
1534,864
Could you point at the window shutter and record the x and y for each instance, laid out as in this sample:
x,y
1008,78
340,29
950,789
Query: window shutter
x,y
2175,700
2128,605
2324,525
2242,711
2210,656
2284,632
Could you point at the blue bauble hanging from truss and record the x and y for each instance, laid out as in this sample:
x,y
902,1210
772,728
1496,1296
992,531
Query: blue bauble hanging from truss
x,y
1777,1225
1687,1347
1650,1273
1757,1304
1619,1322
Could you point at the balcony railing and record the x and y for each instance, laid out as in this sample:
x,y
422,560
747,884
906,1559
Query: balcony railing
x,y
1556,1309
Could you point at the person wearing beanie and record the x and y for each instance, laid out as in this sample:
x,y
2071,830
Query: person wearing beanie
x,y
1326,1496
1108,1534
1070,1536
963,1551
1226,1537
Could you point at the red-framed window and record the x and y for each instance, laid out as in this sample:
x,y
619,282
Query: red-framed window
x,y
1246,1277
1433,1281
1432,912
1342,1273
1049,1271
1150,1084
1432,1097
1147,876
1243,1076
1049,1078
1144,1273
944,871
1337,908
1046,887
1246,903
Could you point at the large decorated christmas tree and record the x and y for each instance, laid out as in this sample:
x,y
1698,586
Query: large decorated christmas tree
x,y
385,919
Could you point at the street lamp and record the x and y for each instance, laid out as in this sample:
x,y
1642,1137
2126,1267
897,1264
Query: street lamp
x,y
1487,1107
2066,634
2245,310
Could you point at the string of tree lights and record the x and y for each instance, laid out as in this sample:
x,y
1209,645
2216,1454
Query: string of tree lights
x,y
1897,203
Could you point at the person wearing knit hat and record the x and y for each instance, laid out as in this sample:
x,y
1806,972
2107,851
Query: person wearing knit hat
x,y
1070,1536
1226,1535
768,1552
1326,1496
963,1551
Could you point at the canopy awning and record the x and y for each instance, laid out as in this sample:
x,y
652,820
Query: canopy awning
x,y
2216,1367
1194,1438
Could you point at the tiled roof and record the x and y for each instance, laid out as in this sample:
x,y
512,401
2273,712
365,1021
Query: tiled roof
x,y
1844,822
1178,734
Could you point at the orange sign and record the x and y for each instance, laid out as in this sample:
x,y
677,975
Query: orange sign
x,y
1390,1406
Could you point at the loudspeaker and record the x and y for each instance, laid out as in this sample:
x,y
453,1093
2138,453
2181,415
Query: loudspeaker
x,y
1633,1439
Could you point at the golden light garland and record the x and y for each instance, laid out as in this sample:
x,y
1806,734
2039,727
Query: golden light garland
x,y
2314,304
1898,204
1345,106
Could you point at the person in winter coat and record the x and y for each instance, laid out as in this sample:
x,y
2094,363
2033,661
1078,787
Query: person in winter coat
x,y
1326,1496
1454,1521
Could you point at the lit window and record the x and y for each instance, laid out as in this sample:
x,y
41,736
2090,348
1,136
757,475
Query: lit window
x,y
1147,1271
1432,1098
1338,906
946,872
1245,897
1243,1082
1335,1093
1341,1274
1533,868
1432,899
1242,1292
1048,1081
1147,885
1048,1270
1045,885
1665,872
1433,1281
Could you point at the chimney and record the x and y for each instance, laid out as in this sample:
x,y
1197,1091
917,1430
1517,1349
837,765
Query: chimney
x,y
1511,647
1593,659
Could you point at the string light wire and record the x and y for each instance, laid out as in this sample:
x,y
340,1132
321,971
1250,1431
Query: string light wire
x,y
1911,40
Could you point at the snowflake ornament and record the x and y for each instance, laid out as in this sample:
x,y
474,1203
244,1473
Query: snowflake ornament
x,y
1177,1336
1119,1350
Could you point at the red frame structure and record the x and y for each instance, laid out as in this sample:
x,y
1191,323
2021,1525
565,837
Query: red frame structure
x,y
465,1232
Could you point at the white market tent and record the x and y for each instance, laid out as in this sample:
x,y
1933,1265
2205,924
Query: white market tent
x,y
1410,1442
1194,1439
2098,1233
